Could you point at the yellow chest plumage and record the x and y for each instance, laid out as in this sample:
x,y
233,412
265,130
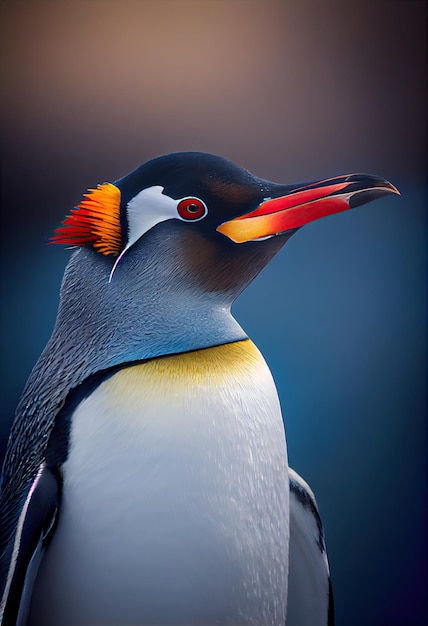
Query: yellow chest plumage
x,y
189,374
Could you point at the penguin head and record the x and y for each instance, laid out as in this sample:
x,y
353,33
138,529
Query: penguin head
x,y
211,221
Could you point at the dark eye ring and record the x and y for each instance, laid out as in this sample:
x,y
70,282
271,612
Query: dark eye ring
x,y
191,209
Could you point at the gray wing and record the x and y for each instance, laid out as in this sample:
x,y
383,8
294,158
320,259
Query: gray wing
x,y
310,598
23,554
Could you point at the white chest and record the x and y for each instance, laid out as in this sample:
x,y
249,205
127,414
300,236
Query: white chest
x,y
175,504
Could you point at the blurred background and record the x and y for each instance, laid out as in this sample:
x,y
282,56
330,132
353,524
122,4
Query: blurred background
x,y
293,91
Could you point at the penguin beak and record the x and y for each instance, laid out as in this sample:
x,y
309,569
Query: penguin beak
x,y
302,204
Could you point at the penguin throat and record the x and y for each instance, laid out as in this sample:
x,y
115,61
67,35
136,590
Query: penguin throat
x,y
138,318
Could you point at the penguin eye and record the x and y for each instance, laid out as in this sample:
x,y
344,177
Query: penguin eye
x,y
191,209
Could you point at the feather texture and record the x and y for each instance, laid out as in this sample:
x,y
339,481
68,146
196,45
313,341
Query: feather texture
x,y
95,220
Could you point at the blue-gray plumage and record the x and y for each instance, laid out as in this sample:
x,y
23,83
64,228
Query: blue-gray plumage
x,y
144,313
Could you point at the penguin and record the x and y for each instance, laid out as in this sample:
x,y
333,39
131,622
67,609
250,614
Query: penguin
x,y
146,479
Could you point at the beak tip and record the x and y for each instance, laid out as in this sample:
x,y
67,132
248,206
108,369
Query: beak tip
x,y
390,188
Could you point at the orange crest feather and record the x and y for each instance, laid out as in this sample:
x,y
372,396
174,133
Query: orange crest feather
x,y
95,220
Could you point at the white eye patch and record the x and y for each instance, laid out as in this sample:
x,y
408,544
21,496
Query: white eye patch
x,y
150,207
145,210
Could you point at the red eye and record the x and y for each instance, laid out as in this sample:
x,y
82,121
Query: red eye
x,y
192,209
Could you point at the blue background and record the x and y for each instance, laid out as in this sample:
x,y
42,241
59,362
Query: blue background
x,y
293,91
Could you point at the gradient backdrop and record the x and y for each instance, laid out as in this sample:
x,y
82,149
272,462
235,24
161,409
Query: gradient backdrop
x,y
293,91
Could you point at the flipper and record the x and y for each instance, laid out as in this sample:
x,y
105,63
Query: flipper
x,y
35,527
310,598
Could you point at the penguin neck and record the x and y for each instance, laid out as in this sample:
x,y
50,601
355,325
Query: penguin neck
x,y
146,311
